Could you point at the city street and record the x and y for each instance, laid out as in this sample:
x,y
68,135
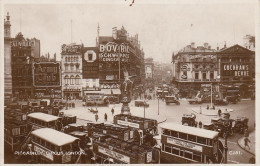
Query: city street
x,y
173,113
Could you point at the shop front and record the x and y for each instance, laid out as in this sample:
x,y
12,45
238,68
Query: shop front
x,y
72,94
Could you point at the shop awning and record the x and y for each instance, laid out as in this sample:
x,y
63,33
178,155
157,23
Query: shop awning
x,y
106,91
116,91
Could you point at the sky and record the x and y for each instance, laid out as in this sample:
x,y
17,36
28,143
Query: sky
x,y
162,28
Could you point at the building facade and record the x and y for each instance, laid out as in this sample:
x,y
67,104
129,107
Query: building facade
x,y
22,61
7,59
237,68
249,42
47,78
71,65
195,68
120,56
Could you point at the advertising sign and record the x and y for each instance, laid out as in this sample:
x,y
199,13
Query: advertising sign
x,y
135,125
237,70
43,152
149,157
90,64
184,144
112,52
109,86
71,49
114,154
46,75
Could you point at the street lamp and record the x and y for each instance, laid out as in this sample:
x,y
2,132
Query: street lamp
x,y
158,105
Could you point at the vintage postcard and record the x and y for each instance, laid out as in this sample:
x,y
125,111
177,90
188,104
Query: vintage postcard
x,y
129,82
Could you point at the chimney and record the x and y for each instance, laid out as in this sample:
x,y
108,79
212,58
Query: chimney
x,y
192,45
206,45
114,33
217,47
225,46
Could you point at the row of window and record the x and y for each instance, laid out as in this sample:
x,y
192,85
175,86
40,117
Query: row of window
x,y
72,59
183,153
204,75
188,137
72,68
42,123
196,66
235,59
72,80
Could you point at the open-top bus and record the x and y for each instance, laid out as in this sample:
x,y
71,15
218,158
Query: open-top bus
x,y
185,144
94,98
52,146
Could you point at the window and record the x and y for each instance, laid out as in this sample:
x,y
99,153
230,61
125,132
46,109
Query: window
x,y
192,138
66,78
168,149
201,140
181,152
66,59
188,155
174,133
204,75
77,68
175,151
66,67
71,67
197,157
77,80
183,136
211,75
196,75
71,80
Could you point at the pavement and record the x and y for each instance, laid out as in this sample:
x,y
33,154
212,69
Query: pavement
x,y
83,113
251,144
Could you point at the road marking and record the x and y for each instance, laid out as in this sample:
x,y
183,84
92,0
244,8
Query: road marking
x,y
233,161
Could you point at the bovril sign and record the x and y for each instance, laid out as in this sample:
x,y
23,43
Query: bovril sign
x,y
185,67
113,51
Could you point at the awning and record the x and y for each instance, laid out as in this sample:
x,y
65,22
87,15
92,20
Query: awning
x,y
106,91
116,91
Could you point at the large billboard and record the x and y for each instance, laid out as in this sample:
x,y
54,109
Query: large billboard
x,y
90,65
113,52
235,70
46,74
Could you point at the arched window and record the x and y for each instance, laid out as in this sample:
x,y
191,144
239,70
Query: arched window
x,y
77,59
71,80
71,67
68,59
77,80
66,66
66,78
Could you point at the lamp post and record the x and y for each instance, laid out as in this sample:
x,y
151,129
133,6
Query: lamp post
x,y
225,148
158,105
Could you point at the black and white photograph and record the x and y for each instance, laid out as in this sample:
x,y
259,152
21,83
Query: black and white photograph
x,y
129,82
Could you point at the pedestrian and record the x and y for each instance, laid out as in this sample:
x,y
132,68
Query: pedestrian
x,y
105,117
219,112
112,110
200,124
213,107
207,107
246,134
96,117
246,142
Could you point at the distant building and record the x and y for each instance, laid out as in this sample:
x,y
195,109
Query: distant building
x,y
119,56
149,71
7,59
195,68
47,78
36,47
22,61
237,68
71,65
249,42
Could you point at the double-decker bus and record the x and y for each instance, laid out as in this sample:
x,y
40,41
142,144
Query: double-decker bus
x,y
54,147
94,98
185,144
40,120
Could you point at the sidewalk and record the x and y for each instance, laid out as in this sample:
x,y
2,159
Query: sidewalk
x,y
251,144
84,114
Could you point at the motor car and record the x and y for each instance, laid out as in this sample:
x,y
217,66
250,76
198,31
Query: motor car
x,y
189,120
220,102
171,99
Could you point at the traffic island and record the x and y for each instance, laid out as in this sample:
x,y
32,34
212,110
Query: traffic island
x,y
210,111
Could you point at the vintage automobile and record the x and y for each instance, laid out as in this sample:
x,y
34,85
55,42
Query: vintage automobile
x,y
220,102
171,99
223,126
195,101
208,126
141,103
240,125
232,99
189,120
